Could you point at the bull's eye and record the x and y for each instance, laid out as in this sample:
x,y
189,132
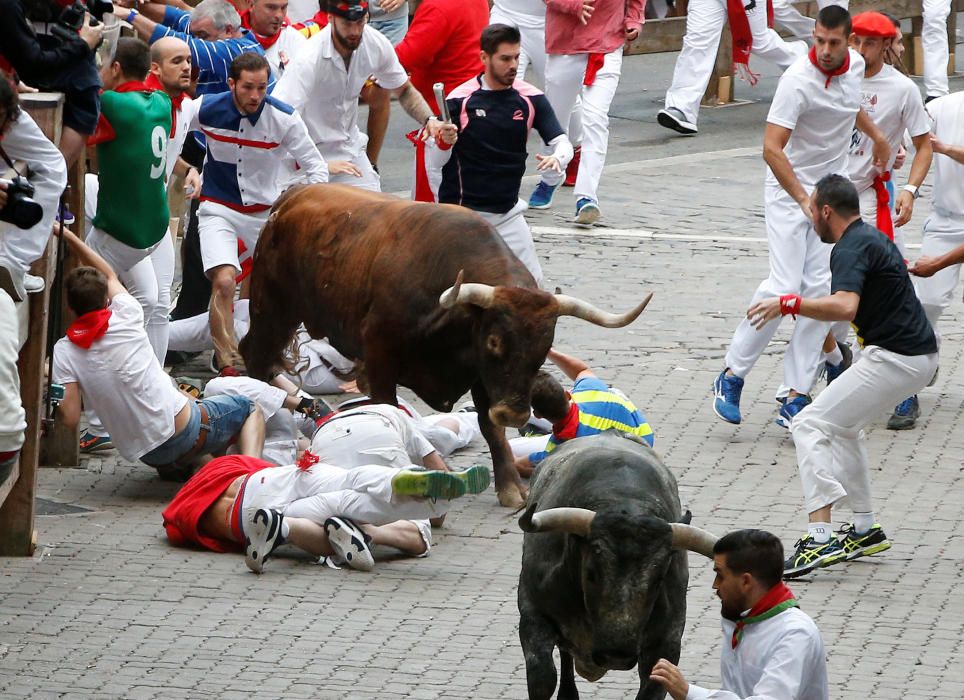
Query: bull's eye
x,y
494,344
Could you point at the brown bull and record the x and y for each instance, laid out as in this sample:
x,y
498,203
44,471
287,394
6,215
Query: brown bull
x,y
374,274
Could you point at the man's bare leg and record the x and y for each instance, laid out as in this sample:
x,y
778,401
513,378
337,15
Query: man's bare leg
x,y
310,536
72,145
222,315
402,535
251,437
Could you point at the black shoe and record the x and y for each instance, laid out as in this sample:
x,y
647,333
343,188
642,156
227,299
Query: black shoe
x,y
262,536
874,541
178,357
905,415
350,544
834,371
810,554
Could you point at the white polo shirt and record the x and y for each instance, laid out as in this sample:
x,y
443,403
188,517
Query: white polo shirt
x,y
893,101
182,124
526,14
317,84
122,381
948,115
821,116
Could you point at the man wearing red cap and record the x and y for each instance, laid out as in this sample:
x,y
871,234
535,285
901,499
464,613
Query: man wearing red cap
x,y
893,102
441,46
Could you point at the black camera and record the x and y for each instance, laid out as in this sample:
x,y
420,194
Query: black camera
x,y
71,18
21,210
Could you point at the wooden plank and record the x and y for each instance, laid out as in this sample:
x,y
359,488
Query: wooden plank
x,y
17,511
47,109
7,484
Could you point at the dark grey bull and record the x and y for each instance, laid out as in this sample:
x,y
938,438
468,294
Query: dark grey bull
x,y
604,567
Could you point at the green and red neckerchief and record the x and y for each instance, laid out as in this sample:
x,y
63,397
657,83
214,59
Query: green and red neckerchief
x,y
776,600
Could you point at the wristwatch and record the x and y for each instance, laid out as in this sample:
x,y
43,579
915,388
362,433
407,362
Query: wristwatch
x,y
131,15
913,189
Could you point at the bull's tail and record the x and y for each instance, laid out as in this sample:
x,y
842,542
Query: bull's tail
x,y
274,311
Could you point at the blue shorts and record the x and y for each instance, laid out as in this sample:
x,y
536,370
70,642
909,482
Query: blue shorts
x,y
226,415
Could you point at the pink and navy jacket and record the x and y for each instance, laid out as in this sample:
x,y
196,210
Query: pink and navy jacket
x,y
488,161
246,164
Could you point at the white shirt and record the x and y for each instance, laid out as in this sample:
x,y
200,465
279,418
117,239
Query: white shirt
x,y
821,117
246,153
372,434
893,101
302,10
283,51
782,658
122,381
317,84
948,116
182,126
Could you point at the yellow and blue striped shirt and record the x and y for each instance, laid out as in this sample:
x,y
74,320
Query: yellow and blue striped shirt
x,y
600,408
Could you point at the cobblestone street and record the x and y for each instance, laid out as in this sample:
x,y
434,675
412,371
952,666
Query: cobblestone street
x,y
106,608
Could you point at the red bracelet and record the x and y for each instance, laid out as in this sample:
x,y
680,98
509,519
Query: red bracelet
x,y
790,305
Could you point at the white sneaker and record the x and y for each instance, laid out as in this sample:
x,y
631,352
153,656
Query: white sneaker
x,y
33,284
673,118
350,544
263,534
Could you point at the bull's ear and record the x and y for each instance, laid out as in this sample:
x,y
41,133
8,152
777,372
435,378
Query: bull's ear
x,y
525,522
687,517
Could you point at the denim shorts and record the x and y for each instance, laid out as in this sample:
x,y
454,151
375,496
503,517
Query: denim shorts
x,y
226,415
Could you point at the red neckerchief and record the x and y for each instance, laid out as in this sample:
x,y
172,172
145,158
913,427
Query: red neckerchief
x,y
266,41
154,84
567,427
308,460
88,328
844,67
884,221
776,600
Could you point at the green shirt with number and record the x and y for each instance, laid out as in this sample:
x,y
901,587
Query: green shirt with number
x,y
132,199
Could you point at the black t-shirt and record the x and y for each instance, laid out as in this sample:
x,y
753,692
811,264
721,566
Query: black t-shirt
x,y
489,159
866,262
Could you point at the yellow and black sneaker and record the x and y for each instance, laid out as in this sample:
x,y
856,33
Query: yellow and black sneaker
x,y
809,554
855,545
426,483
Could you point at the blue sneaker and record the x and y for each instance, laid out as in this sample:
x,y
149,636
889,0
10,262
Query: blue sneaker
x,y
541,197
905,415
790,408
587,211
726,400
831,372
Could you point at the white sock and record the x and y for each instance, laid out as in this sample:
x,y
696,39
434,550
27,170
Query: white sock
x,y
285,529
834,357
820,532
863,522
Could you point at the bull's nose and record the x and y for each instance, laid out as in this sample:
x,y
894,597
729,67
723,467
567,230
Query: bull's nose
x,y
506,416
614,659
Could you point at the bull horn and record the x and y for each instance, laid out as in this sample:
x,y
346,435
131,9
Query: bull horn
x,y
693,538
574,521
573,306
482,295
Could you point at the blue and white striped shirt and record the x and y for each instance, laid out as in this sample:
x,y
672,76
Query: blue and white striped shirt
x,y
212,58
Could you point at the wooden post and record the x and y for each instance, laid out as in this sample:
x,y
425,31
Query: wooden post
x,y
719,91
17,511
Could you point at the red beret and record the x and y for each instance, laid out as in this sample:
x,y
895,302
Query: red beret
x,y
873,24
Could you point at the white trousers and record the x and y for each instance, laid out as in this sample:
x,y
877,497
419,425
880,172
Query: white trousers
x,y
694,66
445,440
934,42
564,78
25,141
13,421
525,446
942,233
515,232
799,26
799,264
363,494
533,31
828,434
360,439
221,228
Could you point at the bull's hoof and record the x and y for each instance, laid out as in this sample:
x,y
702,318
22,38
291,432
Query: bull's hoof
x,y
513,496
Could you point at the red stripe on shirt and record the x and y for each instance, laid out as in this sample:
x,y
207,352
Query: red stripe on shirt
x,y
240,142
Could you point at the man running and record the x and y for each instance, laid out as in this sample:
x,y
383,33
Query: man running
x,y
807,136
